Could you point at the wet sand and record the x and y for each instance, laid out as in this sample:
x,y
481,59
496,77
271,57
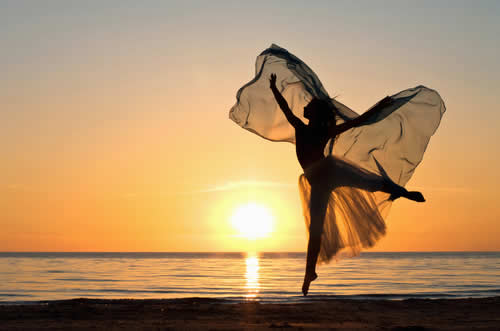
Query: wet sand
x,y
213,314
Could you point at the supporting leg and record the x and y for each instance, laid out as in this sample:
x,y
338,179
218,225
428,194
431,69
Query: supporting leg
x,y
318,205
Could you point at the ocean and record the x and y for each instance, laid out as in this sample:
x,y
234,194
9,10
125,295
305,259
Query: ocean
x,y
266,277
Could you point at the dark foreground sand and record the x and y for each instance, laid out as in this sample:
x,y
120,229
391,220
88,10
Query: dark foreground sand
x,y
211,314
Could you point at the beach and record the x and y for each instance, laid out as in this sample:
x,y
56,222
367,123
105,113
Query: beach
x,y
217,314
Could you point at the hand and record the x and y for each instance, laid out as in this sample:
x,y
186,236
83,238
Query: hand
x,y
272,81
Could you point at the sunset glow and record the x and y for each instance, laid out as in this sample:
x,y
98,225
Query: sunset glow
x,y
252,221
115,133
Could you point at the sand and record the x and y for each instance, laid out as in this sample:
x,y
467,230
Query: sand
x,y
213,314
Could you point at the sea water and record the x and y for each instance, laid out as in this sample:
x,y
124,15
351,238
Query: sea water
x,y
267,277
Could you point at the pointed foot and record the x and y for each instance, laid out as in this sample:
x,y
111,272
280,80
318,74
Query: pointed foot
x,y
307,281
416,196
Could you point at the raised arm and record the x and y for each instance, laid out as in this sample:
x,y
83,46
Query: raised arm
x,y
360,120
292,119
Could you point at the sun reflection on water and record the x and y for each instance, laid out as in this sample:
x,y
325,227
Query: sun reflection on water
x,y
252,276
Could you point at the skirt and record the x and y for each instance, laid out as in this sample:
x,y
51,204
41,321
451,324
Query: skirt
x,y
355,205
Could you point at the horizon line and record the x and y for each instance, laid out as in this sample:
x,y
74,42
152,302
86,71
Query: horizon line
x,y
251,252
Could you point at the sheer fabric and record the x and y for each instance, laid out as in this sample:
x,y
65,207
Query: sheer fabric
x,y
355,207
388,147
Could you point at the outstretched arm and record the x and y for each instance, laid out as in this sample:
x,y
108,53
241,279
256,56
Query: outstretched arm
x,y
292,119
360,120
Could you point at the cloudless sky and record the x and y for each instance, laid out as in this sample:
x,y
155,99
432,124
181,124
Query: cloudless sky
x,y
114,129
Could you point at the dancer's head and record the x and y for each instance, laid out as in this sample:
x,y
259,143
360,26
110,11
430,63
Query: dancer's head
x,y
320,112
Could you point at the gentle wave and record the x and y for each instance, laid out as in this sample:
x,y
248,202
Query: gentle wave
x,y
267,277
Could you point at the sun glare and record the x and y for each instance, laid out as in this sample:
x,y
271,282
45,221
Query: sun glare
x,y
252,221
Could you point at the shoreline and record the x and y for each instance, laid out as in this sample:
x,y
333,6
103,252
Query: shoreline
x,y
294,299
222,314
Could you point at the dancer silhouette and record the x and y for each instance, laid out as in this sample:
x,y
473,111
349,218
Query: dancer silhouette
x,y
354,166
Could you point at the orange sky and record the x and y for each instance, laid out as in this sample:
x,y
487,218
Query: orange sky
x,y
114,133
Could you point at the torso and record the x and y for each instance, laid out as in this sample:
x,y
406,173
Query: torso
x,y
310,143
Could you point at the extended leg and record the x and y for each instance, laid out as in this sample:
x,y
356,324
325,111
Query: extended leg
x,y
351,176
317,209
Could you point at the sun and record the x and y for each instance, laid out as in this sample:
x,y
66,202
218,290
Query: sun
x,y
252,221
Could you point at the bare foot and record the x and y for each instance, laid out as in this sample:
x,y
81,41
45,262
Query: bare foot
x,y
308,278
415,196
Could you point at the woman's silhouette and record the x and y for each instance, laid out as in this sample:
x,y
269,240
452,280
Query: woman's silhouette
x,y
347,188
311,140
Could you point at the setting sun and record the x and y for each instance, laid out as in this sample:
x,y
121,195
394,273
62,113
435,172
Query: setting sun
x,y
252,221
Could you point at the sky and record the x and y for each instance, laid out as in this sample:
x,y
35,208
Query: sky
x,y
114,129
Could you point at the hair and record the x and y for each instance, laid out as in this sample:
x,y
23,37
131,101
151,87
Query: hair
x,y
325,111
